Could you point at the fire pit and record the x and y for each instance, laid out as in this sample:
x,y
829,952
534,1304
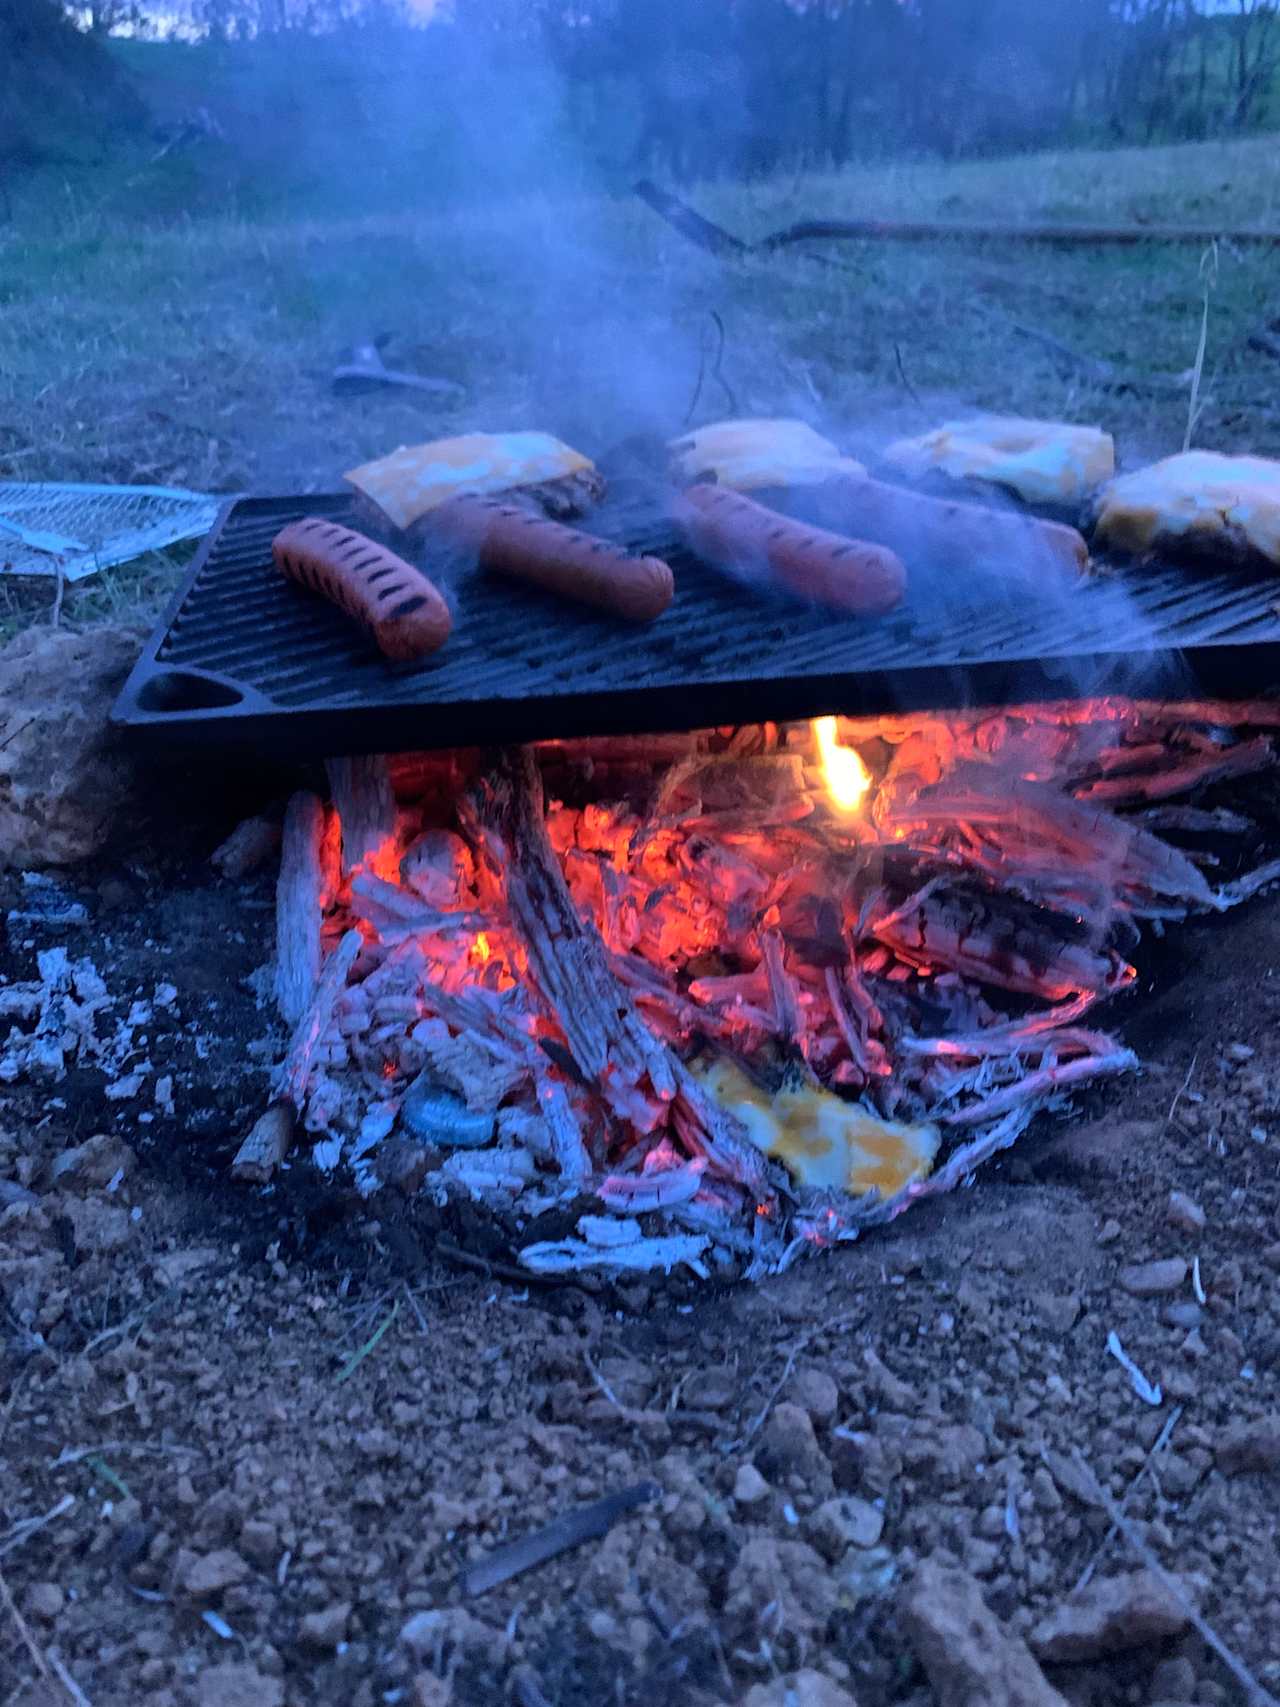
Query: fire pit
x,y
721,999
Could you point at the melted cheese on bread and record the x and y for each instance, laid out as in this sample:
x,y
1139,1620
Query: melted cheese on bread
x,y
418,478
750,454
1199,498
1044,462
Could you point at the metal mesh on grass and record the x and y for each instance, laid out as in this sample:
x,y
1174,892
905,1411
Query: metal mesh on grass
x,y
77,530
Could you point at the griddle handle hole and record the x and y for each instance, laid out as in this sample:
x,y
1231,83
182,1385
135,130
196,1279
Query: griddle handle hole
x,y
184,690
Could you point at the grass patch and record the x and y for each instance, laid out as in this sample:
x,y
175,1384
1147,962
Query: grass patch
x,y
196,351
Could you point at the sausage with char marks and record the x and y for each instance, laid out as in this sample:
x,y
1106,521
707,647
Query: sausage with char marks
x,y
402,609
526,546
737,534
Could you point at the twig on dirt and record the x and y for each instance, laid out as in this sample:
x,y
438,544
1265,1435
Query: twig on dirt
x,y
14,733
1157,1447
357,1358
26,1527
1208,277
493,1269
151,1448
417,1310
55,615
907,386
1255,1692
28,1640
603,1385
1180,1092
802,1345
587,1523
68,1682
717,366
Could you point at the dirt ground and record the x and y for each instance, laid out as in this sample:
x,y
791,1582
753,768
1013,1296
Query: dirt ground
x,y
273,1425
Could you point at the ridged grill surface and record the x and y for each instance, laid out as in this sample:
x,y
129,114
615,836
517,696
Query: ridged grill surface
x,y
521,664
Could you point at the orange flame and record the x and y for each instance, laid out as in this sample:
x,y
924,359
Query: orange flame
x,y
843,771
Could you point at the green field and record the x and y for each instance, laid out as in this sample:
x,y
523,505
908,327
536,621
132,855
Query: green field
x,y
147,337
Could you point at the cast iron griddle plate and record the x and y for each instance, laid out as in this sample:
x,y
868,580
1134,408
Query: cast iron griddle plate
x,y
246,657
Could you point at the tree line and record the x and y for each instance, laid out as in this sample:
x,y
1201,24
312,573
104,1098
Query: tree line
x,y
692,89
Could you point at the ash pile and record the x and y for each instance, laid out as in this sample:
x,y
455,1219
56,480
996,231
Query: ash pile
x,y
705,1004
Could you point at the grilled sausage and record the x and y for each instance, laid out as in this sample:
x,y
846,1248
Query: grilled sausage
x,y
738,534
401,608
939,530
528,547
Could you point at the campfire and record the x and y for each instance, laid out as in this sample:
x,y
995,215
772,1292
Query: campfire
x,y
721,999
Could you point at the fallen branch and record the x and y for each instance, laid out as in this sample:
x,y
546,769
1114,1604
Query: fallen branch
x,y
1004,231
681,217
717,241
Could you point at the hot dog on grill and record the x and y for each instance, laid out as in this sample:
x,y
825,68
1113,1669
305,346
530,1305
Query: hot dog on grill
x,y
939,530
528,547
738,534
401,608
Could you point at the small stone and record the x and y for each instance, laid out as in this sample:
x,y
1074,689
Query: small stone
x,y
864,1462
432,1691
949,1451
260,1542
971,1659
97,1228
1109,1231
711,1389
1058,1311
842,1523
788,1446
1249,1446
44,1601
323,1630
237,1685
205,1576
1178,1476
1184,1212
91,1166
1151,1279
767,1572
1113,1615
749,1486
1182,1313
1239,1052
1173,1680
445,1631
798,1689
981,1558
816,1392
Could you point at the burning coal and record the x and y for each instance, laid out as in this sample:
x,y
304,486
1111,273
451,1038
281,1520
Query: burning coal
x,y
720,999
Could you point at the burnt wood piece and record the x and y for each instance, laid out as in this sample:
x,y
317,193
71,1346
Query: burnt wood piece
x,y
361,792
301,893
638,1078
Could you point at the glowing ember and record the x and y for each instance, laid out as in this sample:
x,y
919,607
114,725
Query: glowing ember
x,y
843,771
704,986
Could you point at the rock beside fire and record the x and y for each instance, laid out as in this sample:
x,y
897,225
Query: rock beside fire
x,y
1113,1615
62,776
970,1658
